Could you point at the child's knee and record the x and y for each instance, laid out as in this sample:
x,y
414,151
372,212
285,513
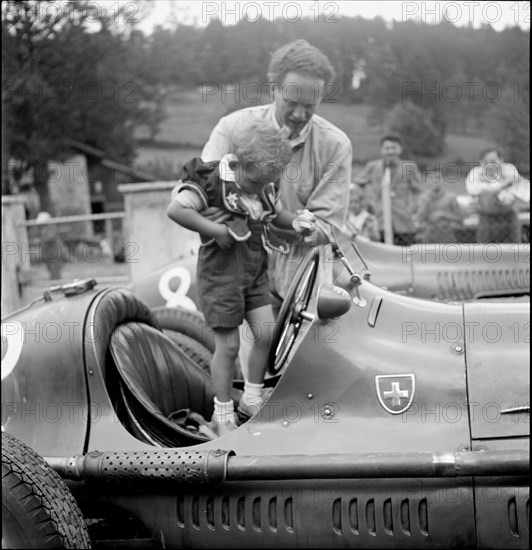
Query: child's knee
x,y
262,341
227,344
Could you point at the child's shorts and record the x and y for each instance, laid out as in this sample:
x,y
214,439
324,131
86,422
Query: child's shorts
x,y
232,282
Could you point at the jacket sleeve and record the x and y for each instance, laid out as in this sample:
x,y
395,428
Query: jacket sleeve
x,y
329,200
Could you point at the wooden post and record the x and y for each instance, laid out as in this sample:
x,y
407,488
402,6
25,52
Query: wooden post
x,y
15,253
108,233
387,206
152,240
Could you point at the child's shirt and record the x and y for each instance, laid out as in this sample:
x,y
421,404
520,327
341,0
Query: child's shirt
x,y
190,198
214,184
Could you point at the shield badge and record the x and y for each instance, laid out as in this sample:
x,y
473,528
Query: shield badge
x,y
395,391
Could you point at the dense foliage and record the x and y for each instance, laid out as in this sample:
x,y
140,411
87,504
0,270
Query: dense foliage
x,y
420,79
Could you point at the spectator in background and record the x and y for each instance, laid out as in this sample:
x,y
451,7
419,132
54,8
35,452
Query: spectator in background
x,y
359,220
319,172
501,191
54,250
403,179
32,201
439,215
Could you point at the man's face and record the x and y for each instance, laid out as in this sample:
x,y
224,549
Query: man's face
x,y
390,150
297,99
491,166
491,158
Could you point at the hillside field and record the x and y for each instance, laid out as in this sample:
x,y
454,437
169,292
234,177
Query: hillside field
x,y
191,116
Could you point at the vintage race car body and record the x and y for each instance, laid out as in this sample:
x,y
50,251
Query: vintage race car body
x,y
445,272
394,422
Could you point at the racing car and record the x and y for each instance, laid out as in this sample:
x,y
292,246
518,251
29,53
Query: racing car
x,y
393,422
443,272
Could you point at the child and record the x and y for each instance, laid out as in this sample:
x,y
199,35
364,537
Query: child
x,y
359,220
232,261
438,216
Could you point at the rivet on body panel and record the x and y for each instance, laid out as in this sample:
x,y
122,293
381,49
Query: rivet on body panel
x,y
328,411
458,348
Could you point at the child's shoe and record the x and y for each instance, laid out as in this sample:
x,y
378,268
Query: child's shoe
x,y
224,418
223,427
250,405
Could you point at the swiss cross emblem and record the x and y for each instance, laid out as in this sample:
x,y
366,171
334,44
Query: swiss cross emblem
x,y
395,391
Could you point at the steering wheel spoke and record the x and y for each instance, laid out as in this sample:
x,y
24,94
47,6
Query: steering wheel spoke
x,y
293,311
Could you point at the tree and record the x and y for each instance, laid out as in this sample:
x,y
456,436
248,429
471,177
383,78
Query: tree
x,y
418,132
508,124
67,74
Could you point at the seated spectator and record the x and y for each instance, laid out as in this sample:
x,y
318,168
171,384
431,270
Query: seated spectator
x,y
500,191
438,216
360,221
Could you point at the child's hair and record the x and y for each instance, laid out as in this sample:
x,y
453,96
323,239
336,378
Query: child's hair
x,y
259,144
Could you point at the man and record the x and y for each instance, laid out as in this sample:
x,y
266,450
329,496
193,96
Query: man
x,y
402,184
500,191
318,176
439,215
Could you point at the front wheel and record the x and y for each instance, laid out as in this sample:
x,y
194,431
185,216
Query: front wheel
x,y
38,510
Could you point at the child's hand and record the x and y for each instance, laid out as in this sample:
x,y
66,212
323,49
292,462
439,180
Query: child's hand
x,y
223,238
305,224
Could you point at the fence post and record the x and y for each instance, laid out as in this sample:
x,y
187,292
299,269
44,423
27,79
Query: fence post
x,y
15,253
152,240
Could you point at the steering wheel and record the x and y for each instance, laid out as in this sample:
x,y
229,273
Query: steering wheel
x,y
292,311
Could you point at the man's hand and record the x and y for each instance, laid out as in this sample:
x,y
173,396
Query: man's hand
x,y
223,238
215,214
305,225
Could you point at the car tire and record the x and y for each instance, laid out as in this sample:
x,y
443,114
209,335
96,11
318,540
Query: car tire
x,y
38,509
194,349
190,323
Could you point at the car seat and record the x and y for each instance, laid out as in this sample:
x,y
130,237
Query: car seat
x,y
159,384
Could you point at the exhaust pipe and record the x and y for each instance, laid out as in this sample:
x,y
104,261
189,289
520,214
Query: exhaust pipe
x,y
171,467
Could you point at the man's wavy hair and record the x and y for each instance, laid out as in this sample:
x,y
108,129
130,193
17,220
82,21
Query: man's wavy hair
x,y
258,145
299,57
